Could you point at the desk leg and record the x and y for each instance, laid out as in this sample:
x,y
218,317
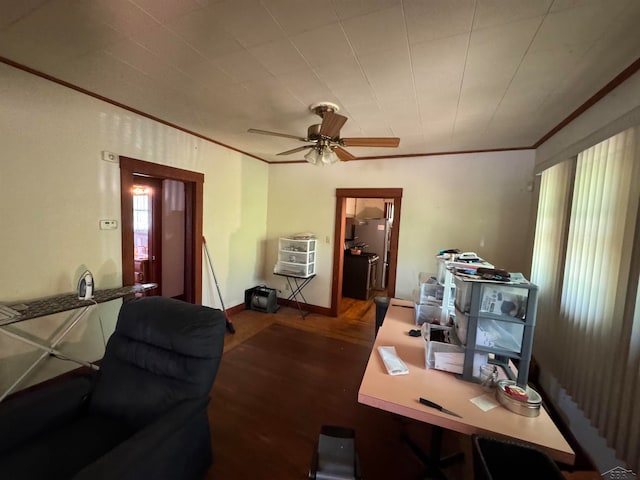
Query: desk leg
x,y
48,350
434,462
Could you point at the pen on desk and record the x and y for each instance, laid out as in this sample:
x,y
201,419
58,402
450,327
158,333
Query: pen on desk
x,y
431,404
403,306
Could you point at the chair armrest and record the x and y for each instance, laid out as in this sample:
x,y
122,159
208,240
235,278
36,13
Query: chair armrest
x,y
176,445
28,414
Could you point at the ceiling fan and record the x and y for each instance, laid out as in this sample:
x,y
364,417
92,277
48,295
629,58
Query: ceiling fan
x,y
326,144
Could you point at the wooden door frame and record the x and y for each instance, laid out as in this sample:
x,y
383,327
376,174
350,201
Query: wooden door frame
x,y
194,188
339,234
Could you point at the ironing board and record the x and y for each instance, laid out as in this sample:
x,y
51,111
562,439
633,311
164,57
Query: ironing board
x,y
60,303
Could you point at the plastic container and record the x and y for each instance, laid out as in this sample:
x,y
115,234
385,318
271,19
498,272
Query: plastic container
x,y
500,335
428,313
442,349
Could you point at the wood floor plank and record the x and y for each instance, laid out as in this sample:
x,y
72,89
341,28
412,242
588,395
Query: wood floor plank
x,y
277,388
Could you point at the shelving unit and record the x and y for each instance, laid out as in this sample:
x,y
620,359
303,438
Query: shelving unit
x,y
484,321
496,319
296,257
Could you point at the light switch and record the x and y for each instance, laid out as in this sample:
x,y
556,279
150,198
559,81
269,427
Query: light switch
x,y
108,224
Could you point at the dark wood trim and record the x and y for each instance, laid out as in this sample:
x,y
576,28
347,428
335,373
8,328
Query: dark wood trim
x,y
600,94
194,189
306,307
339,233
127,180
369,192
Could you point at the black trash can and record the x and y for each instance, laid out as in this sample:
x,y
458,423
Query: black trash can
x,y
497,459
382,303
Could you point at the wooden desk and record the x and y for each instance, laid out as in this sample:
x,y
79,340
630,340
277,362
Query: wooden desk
x,y
399,394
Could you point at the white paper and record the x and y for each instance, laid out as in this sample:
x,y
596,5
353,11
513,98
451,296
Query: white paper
x,y
392,362
484,402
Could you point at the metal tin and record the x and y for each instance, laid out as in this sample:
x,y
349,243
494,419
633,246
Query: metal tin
x,y
527,408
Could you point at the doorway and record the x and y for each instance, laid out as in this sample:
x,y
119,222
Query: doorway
x,y
342,194
171,186
147,227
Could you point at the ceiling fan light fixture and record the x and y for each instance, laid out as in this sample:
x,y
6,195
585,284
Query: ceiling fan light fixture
x,y
312,156
328,156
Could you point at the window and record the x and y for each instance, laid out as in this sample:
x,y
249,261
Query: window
x,y
586,264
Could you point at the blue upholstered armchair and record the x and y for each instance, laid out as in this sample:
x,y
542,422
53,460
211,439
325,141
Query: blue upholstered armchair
x,y
143,416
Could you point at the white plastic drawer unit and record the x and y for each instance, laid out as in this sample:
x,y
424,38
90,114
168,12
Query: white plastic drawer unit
x,y
295,245
296,257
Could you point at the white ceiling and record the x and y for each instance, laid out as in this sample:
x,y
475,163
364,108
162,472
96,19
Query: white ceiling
x,y
443,75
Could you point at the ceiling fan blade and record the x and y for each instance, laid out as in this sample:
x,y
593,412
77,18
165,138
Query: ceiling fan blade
x,y
343,154
276,134
331,124
371,142
295,150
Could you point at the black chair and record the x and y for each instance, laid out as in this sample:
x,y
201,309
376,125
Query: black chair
x,y
143,416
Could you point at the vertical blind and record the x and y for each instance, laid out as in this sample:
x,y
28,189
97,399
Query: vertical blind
x,y
586,264
548,256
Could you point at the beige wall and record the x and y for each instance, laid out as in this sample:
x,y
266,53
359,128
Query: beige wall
x,y
54,189
478,202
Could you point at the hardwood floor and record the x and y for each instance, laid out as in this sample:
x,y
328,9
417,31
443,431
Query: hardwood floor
x,y
282,377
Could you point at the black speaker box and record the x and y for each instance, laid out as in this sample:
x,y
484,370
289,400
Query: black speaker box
x,y
261,299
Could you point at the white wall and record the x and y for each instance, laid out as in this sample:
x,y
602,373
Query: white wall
x,y
54,188
478,202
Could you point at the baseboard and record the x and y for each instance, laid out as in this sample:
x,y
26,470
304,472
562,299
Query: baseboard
x,y
305,306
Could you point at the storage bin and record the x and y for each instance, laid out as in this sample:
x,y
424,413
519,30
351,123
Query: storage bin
x,y
427,313
295,269
296,257
445,353
463,294
496,334
442,270
497,299
503,300
429,293
296,245
461,325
